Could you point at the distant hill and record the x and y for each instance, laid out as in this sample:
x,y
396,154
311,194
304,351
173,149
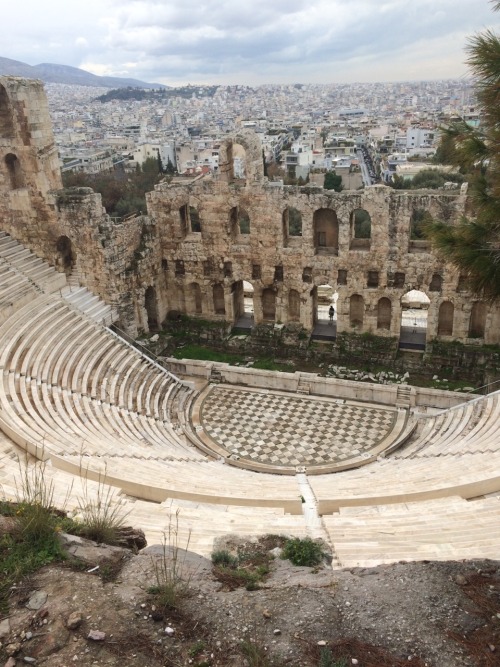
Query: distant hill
x,y
52,73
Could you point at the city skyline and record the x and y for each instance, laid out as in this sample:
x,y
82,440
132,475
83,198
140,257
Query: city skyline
x,y
282,42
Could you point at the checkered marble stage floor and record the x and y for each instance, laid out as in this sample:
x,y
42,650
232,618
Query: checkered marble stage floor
x,y
292,430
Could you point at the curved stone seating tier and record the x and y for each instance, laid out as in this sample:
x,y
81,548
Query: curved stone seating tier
x,y
196,526
404,480
446,529
200,481
74,386
467,428
279,432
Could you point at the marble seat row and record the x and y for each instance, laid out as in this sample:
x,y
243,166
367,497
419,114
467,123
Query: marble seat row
x,y
194,480
401,480
196,525
466,428
50,342
445,529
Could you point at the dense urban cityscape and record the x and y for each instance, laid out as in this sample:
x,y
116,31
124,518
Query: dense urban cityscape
x,y
302,128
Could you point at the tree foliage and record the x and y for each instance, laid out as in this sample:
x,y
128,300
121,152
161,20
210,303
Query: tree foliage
x,y
333,182
122,193
473,245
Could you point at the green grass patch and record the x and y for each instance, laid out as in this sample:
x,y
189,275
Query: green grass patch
x,y
268,364
202,353
303,552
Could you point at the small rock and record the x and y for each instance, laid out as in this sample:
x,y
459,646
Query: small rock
x,y
29,660
96,635
460,580
74,620
169,631
29,635
354,661
277,631
491,647
266,613
321,642
12,649
4,628
154,338
10,663
37,600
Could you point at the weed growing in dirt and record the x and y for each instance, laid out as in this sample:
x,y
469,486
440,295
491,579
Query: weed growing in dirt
x,y
100,516
197,648
327,660
170,572
32,541
247,568
224,558
303,552
257,656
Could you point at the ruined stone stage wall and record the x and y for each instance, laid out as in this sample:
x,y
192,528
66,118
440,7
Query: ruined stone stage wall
x,y
283,267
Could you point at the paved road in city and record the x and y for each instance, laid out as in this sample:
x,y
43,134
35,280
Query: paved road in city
x,y
364,169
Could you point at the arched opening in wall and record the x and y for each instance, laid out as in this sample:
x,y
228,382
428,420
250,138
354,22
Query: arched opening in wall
x,y
242,296
293,306
194,299
326,232
184,219
243,222
66,257
413,329
436,283
218,297
248,297
151,305
356,311
384,314
239,162
418,242
361,230
6,124
269,305
292,226
477,323
324,308
194,218
14,171
445,319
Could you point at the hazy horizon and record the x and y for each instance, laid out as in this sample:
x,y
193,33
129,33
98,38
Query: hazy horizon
x,y
280,43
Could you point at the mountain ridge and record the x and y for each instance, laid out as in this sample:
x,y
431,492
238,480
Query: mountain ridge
x,y
56,73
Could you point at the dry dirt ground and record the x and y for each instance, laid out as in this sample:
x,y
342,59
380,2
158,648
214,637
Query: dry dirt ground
x,y
439,614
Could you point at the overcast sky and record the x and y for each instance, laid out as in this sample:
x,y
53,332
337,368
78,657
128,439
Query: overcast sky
x,y
247,41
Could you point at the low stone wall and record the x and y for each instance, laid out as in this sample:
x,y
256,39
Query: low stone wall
x,y
384,394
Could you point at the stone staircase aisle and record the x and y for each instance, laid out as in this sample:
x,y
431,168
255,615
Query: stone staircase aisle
x,y
403,397
314,523
87,302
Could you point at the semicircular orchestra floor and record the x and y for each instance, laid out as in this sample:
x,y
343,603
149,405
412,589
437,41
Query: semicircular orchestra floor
x,y
259,428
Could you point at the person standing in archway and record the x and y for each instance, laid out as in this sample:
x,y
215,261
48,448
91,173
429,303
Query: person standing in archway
x,y
331,313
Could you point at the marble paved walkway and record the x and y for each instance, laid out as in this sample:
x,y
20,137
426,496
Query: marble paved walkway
x,y
292,430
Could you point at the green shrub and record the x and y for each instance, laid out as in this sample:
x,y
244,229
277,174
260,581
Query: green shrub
x,y
303,552
224,558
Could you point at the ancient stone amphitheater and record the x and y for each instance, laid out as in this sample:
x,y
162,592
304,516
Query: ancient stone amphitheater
x,y
382,473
